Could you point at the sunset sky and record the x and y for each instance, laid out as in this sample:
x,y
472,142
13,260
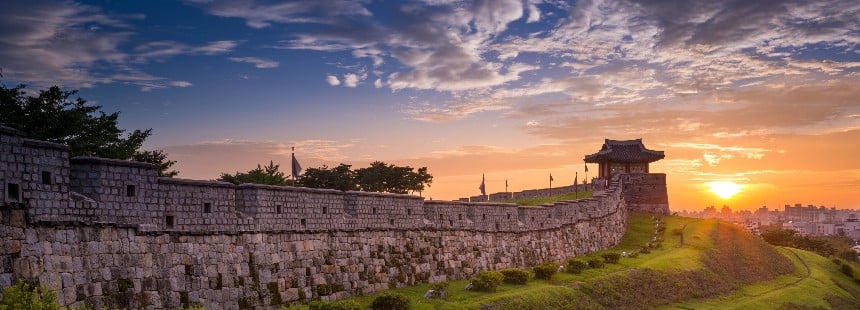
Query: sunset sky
x,y
765,94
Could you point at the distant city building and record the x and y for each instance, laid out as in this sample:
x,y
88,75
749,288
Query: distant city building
x,y
805,220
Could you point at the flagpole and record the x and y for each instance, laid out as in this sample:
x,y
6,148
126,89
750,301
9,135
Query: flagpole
x,y
550,183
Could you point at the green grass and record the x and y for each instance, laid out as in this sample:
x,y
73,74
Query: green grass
x,y
799,287
686,262
544,200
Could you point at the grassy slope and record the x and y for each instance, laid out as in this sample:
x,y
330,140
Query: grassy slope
x,y
805,286
566,290
543,200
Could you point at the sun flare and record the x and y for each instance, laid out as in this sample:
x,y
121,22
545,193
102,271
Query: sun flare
x,y
724,189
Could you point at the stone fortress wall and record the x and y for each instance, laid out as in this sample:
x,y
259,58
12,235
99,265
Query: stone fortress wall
x,y
111,233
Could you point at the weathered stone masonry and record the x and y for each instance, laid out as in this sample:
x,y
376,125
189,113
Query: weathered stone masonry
x,y
112,234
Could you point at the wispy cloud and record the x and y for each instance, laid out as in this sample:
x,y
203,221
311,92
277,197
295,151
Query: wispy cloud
x,y
77,45
260,63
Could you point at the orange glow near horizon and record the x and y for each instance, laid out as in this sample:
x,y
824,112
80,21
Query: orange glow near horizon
x,y
724,189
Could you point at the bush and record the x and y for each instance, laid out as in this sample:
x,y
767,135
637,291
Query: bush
x,y
487,281
611,258
633,254
24,296
644,250
334,305
837,261
546,270
440,290
515,275
847,270
390,301
575,266
595,263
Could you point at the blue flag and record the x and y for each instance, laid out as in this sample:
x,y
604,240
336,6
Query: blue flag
x,y
296,167
482,187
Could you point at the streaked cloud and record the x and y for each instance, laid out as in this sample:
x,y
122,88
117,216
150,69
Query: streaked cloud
x,y
260,63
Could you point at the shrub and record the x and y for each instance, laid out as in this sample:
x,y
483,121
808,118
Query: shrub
x,y
515,276
546,270
847,270
575,266
24,296
390,301
487,281
644,250
837,261
657,245
633,254
611,258
334,305
595,263
440,290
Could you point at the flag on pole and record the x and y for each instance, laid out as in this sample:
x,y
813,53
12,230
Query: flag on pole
x,y
586,167
550,177
483,188
295,165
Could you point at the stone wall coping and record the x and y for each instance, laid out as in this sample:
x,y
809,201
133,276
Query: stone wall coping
x,y
111,162
45,144
209,183
288,188
381,194
11,131
463,203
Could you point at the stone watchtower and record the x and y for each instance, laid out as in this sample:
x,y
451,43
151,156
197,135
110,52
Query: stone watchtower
x,y
629,159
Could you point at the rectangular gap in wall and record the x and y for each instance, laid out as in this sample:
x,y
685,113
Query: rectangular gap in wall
x,y
168,221
408,211
549,216
497,226
451,222
483,217
207,207
440,216
460,217
130,190
279,209
533,218
390,221
325,210
46,177
374,211
304,222
13,192
509,216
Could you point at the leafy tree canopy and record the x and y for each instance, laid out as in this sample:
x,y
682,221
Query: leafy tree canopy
x,y
268,175
382,177
341,178
53,116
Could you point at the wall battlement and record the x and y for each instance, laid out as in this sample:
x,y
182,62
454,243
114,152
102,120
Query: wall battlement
x,y
112,233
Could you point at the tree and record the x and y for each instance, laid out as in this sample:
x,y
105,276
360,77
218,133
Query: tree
x,y
157,157
382,177
268,175
340,178
53,116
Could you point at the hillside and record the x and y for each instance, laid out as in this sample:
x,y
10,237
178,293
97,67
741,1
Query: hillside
x,y
699,264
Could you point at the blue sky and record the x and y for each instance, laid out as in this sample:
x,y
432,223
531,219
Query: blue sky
x,y
732,90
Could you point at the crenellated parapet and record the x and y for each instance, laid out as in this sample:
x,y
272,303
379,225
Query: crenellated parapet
x,y
112,234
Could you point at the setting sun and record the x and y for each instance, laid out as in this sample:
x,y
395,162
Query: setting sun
x,y
724,189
